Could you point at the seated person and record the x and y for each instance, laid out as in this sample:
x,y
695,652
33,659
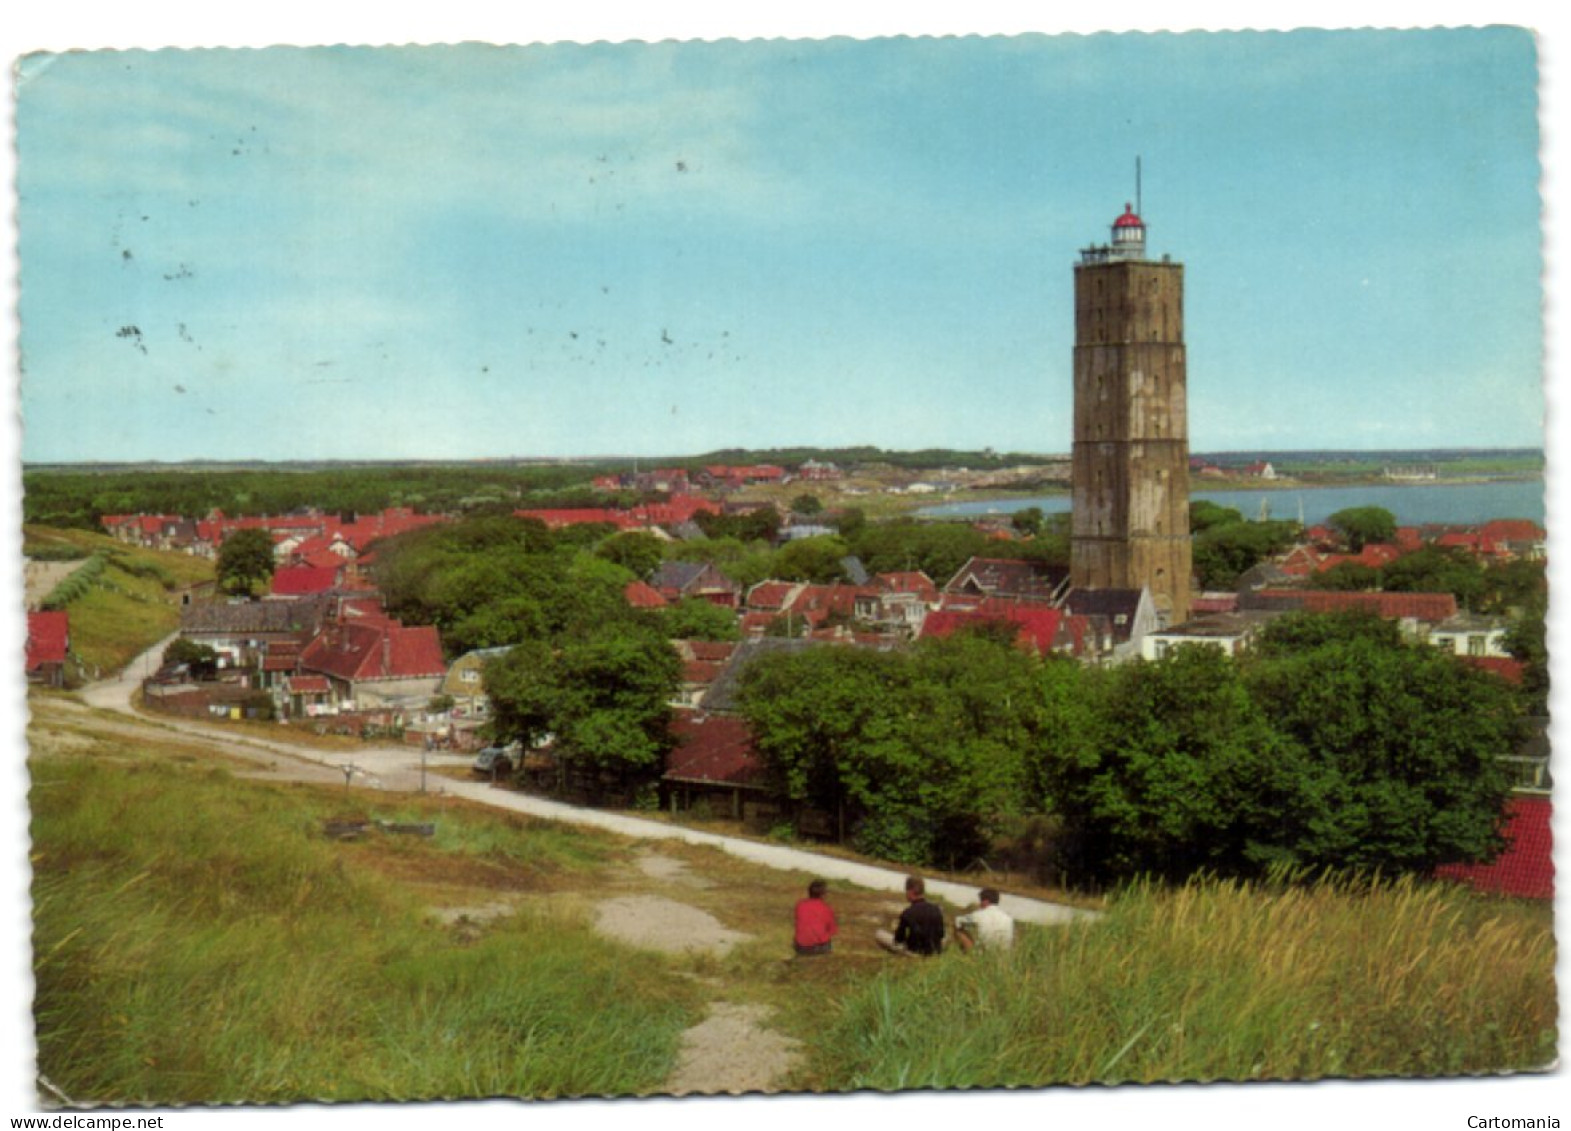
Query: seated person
x,y
815,921
989,927
921,927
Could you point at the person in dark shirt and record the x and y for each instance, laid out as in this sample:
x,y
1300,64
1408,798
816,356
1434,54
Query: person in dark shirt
x,y
921,927
815,921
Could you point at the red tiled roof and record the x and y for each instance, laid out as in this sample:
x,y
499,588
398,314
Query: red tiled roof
x,y
48,638
712,651
375,648
817,602
642,595
714,749
1503,666
309,684
1512,530
296,581
1526,867
1037,625
1214,603
1431,607
771,596
700,671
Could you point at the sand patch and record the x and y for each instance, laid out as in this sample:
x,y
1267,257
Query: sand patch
x,y
656,923
729,1052
671,870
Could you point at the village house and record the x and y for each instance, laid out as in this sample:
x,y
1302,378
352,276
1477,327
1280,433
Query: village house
x,y
1415,613
241,631
1129,615
375,662
1471,634
464,683
48,647
1016,579
702,663
1229,633
676,581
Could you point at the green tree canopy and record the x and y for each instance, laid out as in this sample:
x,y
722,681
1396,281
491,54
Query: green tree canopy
x,y
245,563
1028,520
693,618
1391,757
1204,514
920,751
812,559
807,505
603,696
637,551
1223,551
1359,526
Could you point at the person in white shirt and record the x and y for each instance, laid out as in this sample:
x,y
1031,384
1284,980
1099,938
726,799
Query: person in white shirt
x,y
989,927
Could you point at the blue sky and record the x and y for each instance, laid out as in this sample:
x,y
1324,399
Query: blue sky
x,y
664,249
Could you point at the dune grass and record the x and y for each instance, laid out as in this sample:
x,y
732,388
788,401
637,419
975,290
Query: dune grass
x,y
197,940
1220,981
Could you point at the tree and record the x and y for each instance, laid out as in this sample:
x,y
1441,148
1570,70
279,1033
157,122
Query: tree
x,y
635,550
1204,514
918,752
1392,750
1346,577
200,658
1359,526
1435,569
812,559
245,562
693,618
603,697
806,505
1224,550
1173,774
1527,640
938,549
1028,521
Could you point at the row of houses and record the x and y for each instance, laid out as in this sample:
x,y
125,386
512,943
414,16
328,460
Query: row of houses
x,y
1493,543
323,654
305,537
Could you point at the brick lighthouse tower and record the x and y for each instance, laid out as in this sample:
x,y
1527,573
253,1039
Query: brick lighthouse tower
x,y
1130,521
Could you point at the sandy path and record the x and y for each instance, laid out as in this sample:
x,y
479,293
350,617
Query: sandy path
x,y
731,1052
40,578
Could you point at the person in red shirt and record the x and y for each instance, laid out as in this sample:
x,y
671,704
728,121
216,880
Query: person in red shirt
x,y
815,921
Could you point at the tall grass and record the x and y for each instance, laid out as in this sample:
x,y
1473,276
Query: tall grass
x,y
1219,981
196,941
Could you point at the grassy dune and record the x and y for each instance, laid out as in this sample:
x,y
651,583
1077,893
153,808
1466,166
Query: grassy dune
x,y
198,940
1222,981
134,602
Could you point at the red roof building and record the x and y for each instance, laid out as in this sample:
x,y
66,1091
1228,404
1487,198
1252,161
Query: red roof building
x,y
48,645
642,595
1429,608
1526,867
300,580
713,750
375,657
1037,626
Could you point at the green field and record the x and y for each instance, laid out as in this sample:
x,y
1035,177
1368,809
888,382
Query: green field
x,y
130,605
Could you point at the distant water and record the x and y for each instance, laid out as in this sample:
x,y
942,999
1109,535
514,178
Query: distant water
x,y
1413,505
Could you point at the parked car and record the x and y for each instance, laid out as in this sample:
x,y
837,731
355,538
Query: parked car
x,y
497,761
